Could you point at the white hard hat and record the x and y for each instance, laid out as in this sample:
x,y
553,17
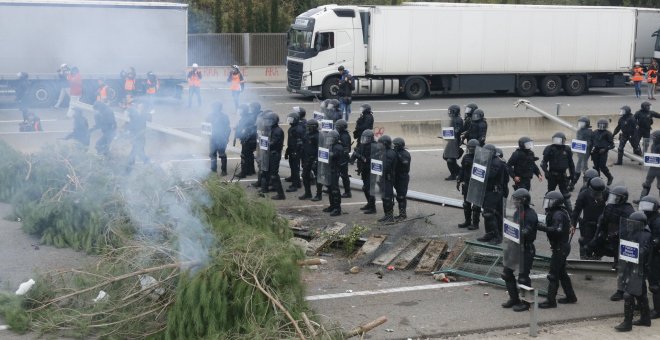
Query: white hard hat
x,y
63,66
195,65
235,67
637,63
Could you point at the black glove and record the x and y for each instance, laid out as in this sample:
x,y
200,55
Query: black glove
x,y
458,185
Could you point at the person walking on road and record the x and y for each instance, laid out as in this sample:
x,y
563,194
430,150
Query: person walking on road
x,y
194,85
651,80
637,78
602,141
75,89
557,160
653,173
453,150
236,84
644,118
627,125
522,165
401,176
583,134
220,132
345,92
80,131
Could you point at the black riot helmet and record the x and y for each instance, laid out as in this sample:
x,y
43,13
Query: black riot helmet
x,y
341,125
332,137
589,175
559,138
399,143
602,124
618,195
272,117
521,198
499,153
584,122
312,125
301,112
324,104
244,109
597,187
365,108
386,141
255,108
553,199
491,148
367,136
646,106
470,108
639,216
293,118
525,143
478,115
454,110
625,110
656,136
472,145
333,104
649,204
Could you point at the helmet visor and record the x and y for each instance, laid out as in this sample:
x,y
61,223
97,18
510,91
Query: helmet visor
x,y
582,125
365,139
598,195
557,141
622,112
612,199
548,202
529,145
602,126
290,120
646,206
517,201
468,110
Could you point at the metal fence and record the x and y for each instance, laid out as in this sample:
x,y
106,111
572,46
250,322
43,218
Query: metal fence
x,y
249,49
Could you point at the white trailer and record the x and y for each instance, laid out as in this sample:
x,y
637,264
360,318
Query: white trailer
x,y
422,48
101,38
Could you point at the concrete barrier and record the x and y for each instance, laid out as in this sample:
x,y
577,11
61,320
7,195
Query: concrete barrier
x,y
253,74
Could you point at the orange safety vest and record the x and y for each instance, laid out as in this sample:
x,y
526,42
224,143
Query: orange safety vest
x,y
652,76
194,80
638,74
151,87
102,95
129,84
236,82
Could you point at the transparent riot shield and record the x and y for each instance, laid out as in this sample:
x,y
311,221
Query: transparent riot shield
x,y
206,129
452,146
631,272
318,116
323,161
479,175
377,155
264,145
260,130
512,243
326,125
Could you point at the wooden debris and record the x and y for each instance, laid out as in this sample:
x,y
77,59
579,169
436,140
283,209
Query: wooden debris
x,y
408,255
317,244
373,242
456,250
360,330
431,258
388,256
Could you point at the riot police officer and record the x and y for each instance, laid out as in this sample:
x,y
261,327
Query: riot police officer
x,y
453,150
590,204
401,176
301,114
294,142
258,114
310,150
471,212
557,159
345,141
633,275
644,118
246,132
478,127
627,125
653,173
335,159
650,205
387,179
602,141
527,219
220,132
333,110
467,121
558,228
364,122
275,146
522,164
584,133
362,154
606,240
497,178
588,176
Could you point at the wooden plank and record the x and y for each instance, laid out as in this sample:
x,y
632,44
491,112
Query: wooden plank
x,y
317,244
373,242
456,250
388,256
431,257
408,255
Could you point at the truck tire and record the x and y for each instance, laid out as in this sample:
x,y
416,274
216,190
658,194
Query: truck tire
x,y
42,94
526,86
330,88
415,88
575,85
551,86
114,91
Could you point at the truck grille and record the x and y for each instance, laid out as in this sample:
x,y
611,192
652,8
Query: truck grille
x,y
294,74
294,66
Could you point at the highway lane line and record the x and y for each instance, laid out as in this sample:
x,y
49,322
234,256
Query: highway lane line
x,y
501,147
417,110
20,120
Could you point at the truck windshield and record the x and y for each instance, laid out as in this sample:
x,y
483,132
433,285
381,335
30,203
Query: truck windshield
x,y
299,41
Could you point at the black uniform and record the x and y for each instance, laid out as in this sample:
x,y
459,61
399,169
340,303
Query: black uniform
x,y
294,143
137,129
528,221
247,134
345,142
363,156
80,129
477,130
401,180
557,227
627,125
557,159
584,134
310,150
590,209
606,240
497,178
335,164
220,131
104,119
276,144
644,120
522,164
471,212
364,122
453,149
602,141
652,174
387,180
654,263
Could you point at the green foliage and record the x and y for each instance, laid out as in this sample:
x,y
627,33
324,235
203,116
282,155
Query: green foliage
x,y
13,311
352,237
12,171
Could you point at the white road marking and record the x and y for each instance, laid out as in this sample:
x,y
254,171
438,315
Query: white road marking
x,y
501,147
421,110
20,120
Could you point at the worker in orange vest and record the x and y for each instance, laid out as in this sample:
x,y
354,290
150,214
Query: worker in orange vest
x,y
236,81
129,85
75,90
102,92
153,85
194,84
651,80
637,78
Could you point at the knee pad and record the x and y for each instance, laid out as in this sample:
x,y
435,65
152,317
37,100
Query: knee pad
x,y
467,205
400,198
655,289
507,275
552,278
487,214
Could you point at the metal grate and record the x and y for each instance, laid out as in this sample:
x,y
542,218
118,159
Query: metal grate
x,y
267,49
249,49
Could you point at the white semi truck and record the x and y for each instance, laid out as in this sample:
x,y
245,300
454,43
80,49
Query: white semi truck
x,y
422,48
101,38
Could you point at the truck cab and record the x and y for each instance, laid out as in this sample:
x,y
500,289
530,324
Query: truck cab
x,y
318,42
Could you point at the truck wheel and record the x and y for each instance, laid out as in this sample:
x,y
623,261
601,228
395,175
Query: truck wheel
x,y
114,89
575,85
526,86
42,94
330,88
551,86
415,88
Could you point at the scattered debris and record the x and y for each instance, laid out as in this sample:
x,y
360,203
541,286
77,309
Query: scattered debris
x,y
379,274
389,330
373,242
102,295
390,267
325,238
4,327
25,287
312,262
348,291
354,270
430,260
486,294
362,329
313,267
299,242
387,257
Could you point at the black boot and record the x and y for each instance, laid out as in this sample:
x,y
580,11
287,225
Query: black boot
x,y
644,314
610,178
389,217
306,196
402,214
619,158
521,307
567,286
371,208
486,238
336,212
618,296
514,298
655,313
550,302
628,310
475,220
467,213
317,197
